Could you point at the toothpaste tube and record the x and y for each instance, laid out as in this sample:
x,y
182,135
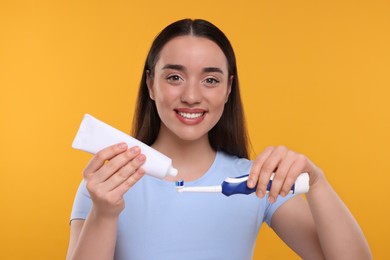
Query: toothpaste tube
x,y
94,135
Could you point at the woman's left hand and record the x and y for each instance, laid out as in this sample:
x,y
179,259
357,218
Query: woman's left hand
x,y
287,166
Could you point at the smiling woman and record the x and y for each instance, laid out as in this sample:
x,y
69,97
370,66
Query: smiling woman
x,y
190,83
189,108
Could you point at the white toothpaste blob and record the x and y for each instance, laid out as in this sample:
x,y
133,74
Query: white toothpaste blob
x,y
95,135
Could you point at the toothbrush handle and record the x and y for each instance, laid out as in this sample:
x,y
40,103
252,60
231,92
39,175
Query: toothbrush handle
x,y
230,186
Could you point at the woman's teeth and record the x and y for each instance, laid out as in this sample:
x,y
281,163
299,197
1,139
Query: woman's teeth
x,y
190,115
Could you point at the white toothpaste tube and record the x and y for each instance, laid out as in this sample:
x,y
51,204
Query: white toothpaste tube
x,y
95,135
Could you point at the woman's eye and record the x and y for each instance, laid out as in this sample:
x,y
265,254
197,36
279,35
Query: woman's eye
x,y
173,78
212,81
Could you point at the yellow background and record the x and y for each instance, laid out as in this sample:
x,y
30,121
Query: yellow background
x,y
314,75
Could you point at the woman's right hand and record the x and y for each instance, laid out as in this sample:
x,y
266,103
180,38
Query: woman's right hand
x,y
110,174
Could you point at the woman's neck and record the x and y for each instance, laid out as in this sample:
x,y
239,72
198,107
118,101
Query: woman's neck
x,y
191,158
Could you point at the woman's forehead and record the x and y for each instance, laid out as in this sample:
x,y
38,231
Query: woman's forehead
x,y
192,50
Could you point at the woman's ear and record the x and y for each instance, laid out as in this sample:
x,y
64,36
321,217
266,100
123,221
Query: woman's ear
x,y
229,88
149,83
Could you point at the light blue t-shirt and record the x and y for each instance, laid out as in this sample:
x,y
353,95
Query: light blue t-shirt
x,y
160,223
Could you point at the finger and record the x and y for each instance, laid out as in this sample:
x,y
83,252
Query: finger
x,y
281,174
299,166
256,167
102,156
116,163
123,174
270,167
130,181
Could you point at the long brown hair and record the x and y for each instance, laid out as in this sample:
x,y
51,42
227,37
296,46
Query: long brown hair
x,y
229,134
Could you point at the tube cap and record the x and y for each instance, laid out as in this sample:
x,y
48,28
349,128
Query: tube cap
x,y
302,184
172,171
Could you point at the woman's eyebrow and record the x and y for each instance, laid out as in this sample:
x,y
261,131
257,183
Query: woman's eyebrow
x,y
182,68
213,69
174,67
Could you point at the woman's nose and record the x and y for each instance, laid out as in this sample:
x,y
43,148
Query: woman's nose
x,y
191,94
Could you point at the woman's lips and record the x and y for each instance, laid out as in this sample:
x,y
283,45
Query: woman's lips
x,y
190,117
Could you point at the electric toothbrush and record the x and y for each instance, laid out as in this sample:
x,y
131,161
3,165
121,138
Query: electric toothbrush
x,y
238,185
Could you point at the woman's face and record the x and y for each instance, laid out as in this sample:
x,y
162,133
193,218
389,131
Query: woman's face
x,y
190,86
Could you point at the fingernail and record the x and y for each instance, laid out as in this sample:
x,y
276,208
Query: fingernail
x,y
135,149
250,183
141,158
259,193
271,199
122,146
283,194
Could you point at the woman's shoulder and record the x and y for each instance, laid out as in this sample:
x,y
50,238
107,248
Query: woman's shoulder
x,y
231,158
233,164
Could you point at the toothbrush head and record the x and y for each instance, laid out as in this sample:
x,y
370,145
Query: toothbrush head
x,y
179,185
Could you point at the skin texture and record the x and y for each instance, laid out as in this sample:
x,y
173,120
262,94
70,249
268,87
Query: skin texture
x,y
190,87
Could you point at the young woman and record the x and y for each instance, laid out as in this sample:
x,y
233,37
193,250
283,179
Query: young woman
x,y
189,108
